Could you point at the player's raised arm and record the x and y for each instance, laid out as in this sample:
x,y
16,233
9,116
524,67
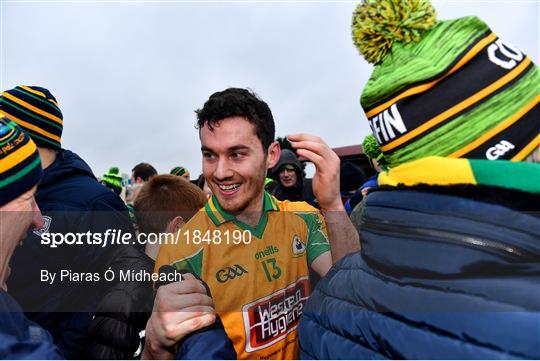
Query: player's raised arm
x,y
342,235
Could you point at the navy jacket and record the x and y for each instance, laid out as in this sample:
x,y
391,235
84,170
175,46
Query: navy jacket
x,y
209,343
21,338
71,200
438,276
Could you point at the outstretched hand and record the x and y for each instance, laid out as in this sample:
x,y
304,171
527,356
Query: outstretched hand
x,y
326,177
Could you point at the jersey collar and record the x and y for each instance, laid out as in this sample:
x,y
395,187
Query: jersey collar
x,y
220,216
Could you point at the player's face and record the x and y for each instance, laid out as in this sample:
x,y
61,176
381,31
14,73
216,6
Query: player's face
x,y
235,164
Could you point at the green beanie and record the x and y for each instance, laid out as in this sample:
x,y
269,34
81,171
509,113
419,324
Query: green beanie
x,y
113,180
444,88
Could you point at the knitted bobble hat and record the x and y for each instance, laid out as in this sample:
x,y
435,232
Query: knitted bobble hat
x,y
36,111
444,88
113,180
180,171
20,164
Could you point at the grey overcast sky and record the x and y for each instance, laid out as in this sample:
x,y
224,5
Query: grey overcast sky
x,y
128,75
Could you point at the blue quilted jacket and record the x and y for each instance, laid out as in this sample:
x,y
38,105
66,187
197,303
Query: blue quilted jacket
x,y
438,276
21,338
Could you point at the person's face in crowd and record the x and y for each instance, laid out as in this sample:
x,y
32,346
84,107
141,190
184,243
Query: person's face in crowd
x,y
16,217
287,177
235,164
134,180
133,188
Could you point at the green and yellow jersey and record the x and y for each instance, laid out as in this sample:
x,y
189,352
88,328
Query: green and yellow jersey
x,y
258,277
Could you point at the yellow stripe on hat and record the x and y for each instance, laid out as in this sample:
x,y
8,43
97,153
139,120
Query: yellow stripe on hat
x,y
529,148
18,156
459,107
24,124
31,107
499,128
422,88
429,170
37,92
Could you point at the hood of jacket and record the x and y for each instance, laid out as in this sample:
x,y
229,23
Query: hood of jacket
x,y
288,157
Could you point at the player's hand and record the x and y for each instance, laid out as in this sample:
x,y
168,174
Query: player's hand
x,y
179,309
326,178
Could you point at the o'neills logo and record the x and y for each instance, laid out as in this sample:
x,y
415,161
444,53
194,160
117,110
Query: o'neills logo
x,y
269,319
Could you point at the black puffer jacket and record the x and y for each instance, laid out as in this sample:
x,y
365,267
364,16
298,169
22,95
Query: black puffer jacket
x,y
123,312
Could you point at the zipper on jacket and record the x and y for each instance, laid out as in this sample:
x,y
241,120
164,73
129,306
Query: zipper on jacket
x,y
489,245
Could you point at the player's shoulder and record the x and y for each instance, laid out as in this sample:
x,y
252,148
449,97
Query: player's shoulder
x,y
310,215
201,220
289,206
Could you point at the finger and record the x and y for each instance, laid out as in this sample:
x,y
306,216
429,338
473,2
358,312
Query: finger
x,y
181,302
319,148
178,324
314,158
203,320
303,136
174,318
188,276
191,286
183,287
192,277
195,323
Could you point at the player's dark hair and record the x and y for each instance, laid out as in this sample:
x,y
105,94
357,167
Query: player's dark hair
x,y
239,102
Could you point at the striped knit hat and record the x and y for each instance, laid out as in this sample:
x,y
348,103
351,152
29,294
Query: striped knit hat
x,y
180,171
113,180
20,165
36,111
444,88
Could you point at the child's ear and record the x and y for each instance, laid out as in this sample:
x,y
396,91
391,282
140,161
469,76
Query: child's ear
x,y
175,224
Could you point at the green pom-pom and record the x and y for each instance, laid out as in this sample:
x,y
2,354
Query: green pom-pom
x,y
377,24
371,147
114,170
